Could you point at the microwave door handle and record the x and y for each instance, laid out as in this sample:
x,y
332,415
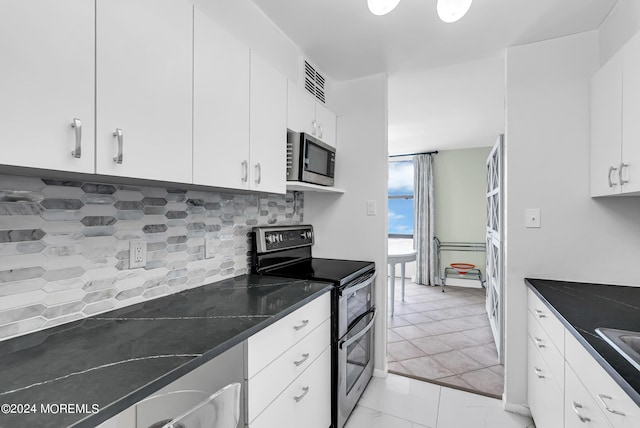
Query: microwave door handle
x,y
360,285
364,331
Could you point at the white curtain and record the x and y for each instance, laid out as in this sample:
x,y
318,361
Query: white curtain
x,y
423,232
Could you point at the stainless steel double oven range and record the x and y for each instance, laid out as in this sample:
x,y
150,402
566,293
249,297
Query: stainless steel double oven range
x,y
286,251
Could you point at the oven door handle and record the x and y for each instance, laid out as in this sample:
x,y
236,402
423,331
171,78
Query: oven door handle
x,y
364,331
356,287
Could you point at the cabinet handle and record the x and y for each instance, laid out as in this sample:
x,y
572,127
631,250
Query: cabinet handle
x,y
321,133
577,406
603,397
258,173
77,125
119,135
539,342
540,314
301,326
539,373
315,127
622,166
245,171
305,391
305,357
611,183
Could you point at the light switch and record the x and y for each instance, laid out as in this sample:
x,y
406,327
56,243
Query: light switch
x,y
371,207
532,217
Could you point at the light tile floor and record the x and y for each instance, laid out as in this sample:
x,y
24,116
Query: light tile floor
x,y
402,402
444,337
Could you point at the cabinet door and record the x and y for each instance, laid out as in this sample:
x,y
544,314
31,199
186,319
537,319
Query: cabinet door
x,y
579,409
305,403
268,128
545,398
631,113
301,110
326,124
221,107
144,87
47,51
606,128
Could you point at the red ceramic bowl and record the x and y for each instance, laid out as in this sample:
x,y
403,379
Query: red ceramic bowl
x,y
462,268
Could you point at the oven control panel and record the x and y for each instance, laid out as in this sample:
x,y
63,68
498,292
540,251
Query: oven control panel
x,y
281,238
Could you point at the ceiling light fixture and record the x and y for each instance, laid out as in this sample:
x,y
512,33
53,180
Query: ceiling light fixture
x,y
452,10
382,7
448,10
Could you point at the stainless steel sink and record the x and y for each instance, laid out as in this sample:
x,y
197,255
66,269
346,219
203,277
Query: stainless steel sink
x,y
627,343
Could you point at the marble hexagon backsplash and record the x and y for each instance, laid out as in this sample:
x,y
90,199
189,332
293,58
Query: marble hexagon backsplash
x,y
64,245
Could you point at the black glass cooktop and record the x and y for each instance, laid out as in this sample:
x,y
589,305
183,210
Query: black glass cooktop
x,y
337,271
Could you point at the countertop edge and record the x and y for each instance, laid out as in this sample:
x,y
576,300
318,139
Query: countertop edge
x,y
113,409
633,394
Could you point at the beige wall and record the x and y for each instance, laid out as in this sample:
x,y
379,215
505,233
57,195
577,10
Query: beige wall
x,y
459,178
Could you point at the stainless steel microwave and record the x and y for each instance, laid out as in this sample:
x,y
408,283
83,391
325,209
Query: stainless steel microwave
x,y
309,159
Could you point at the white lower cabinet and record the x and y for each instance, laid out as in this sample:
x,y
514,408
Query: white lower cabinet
x,y
545,372
567,387
304,403
579,408
289,370
613,402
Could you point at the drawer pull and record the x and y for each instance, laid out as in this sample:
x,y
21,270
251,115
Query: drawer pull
x,y
540,314
305,391
622,180
301,326
611,183
577,406
603,397
77,125
539,373
305,357
539,342
120,139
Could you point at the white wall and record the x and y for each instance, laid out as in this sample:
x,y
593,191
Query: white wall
x,y
344,230
547,167
622,23
437,108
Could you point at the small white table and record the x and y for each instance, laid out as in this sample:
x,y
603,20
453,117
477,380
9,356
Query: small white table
x,y
393,259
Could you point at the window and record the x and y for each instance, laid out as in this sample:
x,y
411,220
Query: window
x,y
401,199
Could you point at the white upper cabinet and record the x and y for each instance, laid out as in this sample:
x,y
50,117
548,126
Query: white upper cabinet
x,y
221,107
301,110
630,115
144,89
268,128
47,84
615,129
606,128
305,114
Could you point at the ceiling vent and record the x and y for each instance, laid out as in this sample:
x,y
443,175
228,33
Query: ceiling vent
x,y
314,82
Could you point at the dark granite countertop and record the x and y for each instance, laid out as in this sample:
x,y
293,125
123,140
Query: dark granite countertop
x,y
583,307
115,359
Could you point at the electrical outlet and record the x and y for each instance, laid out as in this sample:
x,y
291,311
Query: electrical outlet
x,y
137,254
209,248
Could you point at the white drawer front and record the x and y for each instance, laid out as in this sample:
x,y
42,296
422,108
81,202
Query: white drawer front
x,y
305,403
604,391
547,319
547,349
545,398
580,411
266,385
266,345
